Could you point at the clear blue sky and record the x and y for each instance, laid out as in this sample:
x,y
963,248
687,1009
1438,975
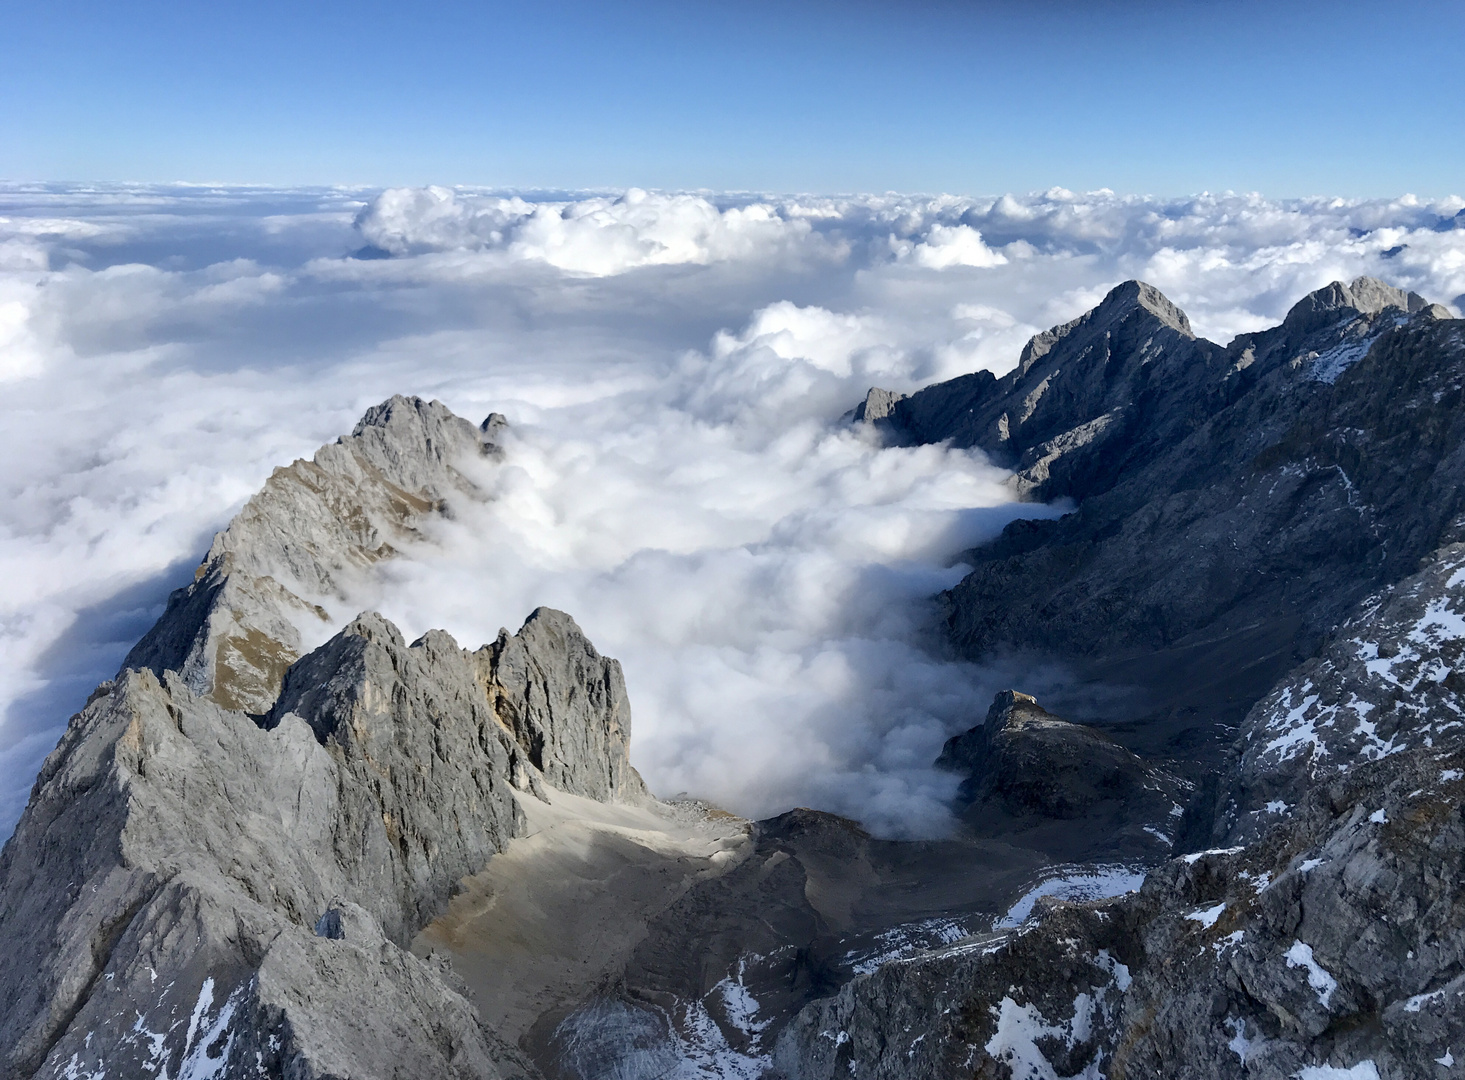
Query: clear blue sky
x,y
1143,96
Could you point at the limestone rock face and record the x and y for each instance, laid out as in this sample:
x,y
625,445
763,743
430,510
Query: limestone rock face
x,y
877,406
219,872
566,705
173,865
298,543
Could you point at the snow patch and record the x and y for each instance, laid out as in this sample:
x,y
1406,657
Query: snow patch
x,y
1327,366
1019,1030
74,1070
1364,1070
1418,1001
1233,938
1207,916
1247,1049
738,1004
1322,983
1100,883
900,942
1195,856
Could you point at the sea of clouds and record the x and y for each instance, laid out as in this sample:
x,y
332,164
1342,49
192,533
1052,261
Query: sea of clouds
x,y
674,368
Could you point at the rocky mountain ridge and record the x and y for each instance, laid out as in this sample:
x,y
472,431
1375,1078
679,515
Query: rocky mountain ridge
x,y
1233,504
266,850
1325,937
222,864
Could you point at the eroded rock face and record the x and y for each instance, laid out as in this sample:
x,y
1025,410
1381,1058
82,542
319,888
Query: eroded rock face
x,y
202,889
566,705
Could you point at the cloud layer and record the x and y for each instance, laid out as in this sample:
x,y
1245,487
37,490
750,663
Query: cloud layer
x,y
674,367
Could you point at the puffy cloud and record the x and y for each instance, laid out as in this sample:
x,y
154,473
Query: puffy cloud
x,y
674,367
946,246
594,236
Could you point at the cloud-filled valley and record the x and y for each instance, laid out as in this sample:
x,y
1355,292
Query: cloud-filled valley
x,y
673,367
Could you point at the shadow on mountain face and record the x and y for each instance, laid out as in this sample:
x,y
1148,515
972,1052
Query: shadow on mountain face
x,y
87,653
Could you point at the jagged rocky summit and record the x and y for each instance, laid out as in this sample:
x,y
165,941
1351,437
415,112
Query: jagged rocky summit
x,y
1266,543
286,843
224,861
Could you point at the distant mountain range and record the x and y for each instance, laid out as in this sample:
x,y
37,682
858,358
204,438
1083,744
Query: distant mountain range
x,y
256,856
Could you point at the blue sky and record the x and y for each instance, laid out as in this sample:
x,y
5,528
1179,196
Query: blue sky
x,y
1167,97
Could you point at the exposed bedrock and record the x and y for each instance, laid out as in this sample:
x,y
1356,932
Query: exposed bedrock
x,y
303,541
222,863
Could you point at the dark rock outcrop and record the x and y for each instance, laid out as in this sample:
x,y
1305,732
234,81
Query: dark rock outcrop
x,y
1236,504
1328,938
1064,788
1335,941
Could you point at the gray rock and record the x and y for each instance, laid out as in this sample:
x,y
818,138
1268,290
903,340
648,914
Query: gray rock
x,y
566,705
1389,681
878,405
302,541
197,890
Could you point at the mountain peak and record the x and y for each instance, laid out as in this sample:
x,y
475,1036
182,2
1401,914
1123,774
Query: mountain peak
x,y
1119,304
1129,295
1364,295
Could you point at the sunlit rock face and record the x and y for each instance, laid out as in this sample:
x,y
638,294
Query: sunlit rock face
x,y
256,597
223,862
